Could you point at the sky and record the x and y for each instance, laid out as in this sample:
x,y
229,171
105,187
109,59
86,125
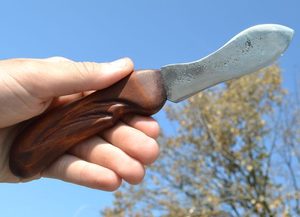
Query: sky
x,y
153,33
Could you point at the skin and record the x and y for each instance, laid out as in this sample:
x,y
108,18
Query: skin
x,y
28,87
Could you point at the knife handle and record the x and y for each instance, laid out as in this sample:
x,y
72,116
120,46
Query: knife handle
x,y
53,133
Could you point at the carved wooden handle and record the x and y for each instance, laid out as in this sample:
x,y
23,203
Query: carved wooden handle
x,y
52,134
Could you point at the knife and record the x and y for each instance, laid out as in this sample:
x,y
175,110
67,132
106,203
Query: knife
x,y
144,92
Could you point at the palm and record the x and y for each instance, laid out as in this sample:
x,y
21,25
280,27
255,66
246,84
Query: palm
x,y
6,137
8,134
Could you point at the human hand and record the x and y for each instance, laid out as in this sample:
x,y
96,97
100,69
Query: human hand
x,y
28,87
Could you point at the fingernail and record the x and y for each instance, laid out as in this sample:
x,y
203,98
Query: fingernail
x,y
120,63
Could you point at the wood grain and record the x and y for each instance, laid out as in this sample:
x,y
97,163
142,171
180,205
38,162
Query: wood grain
x,y
52,134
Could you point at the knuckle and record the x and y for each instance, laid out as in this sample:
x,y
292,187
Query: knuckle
x,y
29,65
86,71
85,67
59,168
84,149
58,59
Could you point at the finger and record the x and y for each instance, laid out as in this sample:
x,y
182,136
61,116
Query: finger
x,y
134,142
63,100
98,151
57,78
147,125
72,169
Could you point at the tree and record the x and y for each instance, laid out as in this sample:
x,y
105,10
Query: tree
x,y
234,152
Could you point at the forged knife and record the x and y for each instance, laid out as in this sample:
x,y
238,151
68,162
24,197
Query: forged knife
x,y
144,92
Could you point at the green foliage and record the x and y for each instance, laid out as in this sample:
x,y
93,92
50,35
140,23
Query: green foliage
x,y
234,154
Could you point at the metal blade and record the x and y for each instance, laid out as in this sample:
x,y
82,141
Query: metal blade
x,y
250,50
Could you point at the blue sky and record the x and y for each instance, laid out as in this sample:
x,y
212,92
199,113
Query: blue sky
x,y
153,33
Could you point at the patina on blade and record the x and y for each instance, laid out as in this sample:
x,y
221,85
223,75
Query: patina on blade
x,y
250,50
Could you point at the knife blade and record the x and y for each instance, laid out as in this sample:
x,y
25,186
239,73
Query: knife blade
x,y
144,92
250,50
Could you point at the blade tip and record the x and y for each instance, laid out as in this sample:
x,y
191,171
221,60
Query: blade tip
x,y
286,31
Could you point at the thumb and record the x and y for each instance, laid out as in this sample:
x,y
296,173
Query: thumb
x,y
55,77
28,85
